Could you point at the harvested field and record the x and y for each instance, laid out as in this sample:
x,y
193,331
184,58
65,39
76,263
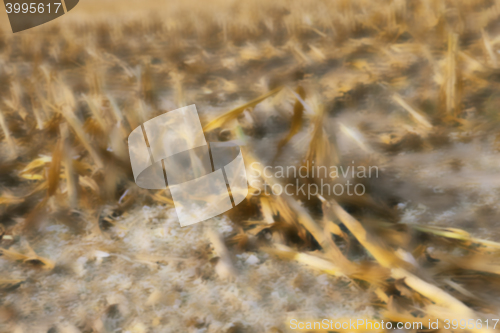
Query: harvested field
x,y
396,103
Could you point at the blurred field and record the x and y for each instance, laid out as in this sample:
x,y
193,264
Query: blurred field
x,y
411,87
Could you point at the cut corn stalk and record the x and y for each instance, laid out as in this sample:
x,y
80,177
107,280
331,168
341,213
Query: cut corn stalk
x,y
221,120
